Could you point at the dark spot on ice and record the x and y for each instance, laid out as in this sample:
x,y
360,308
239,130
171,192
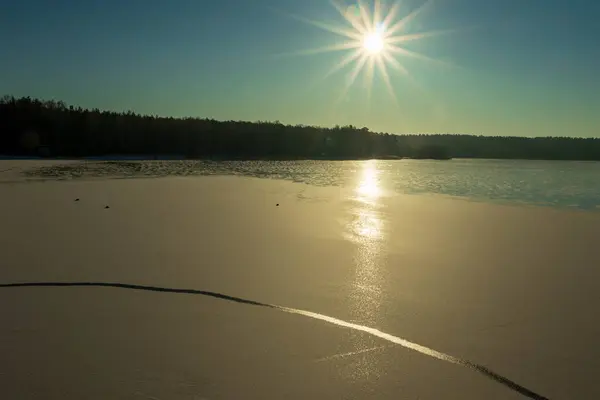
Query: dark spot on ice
x,y
76,199
277,205
106,207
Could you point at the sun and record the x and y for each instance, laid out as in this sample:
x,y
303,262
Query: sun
x,y
375,40
373,43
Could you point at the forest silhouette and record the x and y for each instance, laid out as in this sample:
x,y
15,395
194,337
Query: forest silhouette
x,y
33,127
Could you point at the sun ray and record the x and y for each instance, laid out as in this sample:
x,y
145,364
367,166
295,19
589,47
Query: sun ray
x,y
421,35
370,73
350,19
396,64
377,14
391,15
404,21
350,81
400,68
358,68
430,98
413,54
348,58
345,61
365,15
327,27
325,49
386,79
316,83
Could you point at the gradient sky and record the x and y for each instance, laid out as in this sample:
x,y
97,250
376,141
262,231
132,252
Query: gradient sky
x,y
524,67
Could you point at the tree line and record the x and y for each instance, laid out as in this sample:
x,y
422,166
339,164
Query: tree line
x,y
51,128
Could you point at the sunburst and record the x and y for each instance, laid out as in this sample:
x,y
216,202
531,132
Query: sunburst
x,y
375,38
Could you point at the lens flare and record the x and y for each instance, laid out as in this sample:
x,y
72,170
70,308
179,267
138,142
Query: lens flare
x,y
375,38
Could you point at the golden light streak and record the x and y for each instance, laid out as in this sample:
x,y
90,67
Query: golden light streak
x,y
344,13
413,54
324,49
386,78
345,61
357,69
404,21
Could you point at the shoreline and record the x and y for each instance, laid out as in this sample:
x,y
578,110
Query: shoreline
x,y
225,159
15,172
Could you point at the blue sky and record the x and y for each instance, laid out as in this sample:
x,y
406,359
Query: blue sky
x,y
518,67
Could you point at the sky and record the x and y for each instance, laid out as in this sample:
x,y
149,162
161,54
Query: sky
x,y
502,67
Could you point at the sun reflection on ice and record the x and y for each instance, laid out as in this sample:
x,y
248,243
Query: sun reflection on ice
x,y
368,190
367,223
366,228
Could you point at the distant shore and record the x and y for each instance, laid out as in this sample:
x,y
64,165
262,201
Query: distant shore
x,y
53,128
181,158
217,159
